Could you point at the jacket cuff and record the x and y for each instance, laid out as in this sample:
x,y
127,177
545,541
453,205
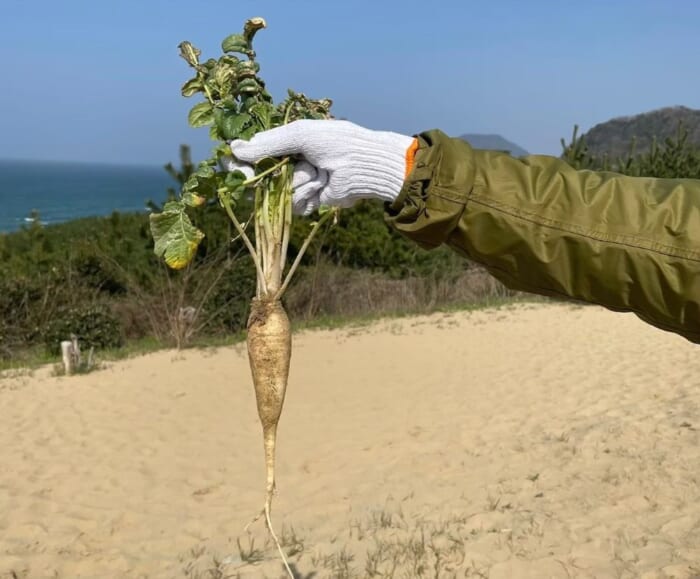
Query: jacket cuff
x,y
436,191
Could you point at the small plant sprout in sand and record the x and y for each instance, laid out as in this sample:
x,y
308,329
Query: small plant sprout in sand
x,y
237,106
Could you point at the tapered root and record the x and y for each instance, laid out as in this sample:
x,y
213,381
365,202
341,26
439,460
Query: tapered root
x,y
269,351
270,490
268,523
269,436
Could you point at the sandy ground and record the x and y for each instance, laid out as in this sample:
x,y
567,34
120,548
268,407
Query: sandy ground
x,y
532,441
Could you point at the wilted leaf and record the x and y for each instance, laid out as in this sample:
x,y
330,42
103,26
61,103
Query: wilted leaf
x,y
224,75
252,26
176,239
202,114
192,86
189,53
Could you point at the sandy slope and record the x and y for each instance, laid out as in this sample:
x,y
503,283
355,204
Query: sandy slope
x,y
534,441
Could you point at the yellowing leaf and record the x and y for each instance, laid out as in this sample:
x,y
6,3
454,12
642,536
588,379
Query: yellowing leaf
x,y
192,200
176,239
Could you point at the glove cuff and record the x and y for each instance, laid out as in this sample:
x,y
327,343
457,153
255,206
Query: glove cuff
x,y
381,163
410,158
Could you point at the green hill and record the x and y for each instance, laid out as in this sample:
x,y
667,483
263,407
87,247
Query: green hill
x,y
614,136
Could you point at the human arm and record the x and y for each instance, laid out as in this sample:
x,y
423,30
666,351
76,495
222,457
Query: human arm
x,y
540,226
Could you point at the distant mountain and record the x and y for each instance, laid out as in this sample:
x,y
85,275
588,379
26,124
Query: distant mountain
x,y
493,142
614,136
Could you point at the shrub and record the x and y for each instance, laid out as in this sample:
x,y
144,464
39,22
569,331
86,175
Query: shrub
x,y
95,327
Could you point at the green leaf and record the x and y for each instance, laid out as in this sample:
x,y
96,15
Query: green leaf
x,y
249,86
173,205
237,193
189,53
229,59
265,164
221,150
247,68
211,85
210,64
192,86
191,184
215,133
235,43
203,182
248,133
262,112
234,180
176,239
204,171
202,114
230,105
230,125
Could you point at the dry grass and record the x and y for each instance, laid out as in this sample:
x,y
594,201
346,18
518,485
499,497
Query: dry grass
x,y
333,291
385,544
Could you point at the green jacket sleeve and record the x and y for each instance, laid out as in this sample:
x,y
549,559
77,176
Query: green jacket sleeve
x,y
540,226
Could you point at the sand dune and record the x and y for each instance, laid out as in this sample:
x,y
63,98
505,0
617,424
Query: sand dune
x,y
531,441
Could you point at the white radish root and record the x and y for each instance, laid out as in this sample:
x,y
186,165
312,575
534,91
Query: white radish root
x,y
269,352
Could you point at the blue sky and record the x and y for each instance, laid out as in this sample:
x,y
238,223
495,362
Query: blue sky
x,y
99,80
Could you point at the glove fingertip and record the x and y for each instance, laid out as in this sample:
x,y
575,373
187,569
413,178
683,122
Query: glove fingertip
x,y
244,151
230,164
303,173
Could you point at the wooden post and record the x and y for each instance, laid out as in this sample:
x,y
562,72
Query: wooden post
x,y
70,352
67,355
76,351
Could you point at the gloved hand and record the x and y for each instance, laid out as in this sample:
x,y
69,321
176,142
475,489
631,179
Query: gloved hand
x,y
344,162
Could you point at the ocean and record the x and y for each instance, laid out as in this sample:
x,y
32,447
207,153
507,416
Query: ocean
x,y
63,191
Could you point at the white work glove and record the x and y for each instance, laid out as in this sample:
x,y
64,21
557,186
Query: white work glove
x,y
344,162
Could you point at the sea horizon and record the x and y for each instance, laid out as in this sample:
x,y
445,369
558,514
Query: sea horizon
x,y
75,162
60,191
